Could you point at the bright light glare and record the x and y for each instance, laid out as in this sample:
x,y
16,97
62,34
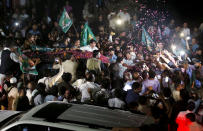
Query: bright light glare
x,y
182,34
182,53
173,47
119,21
16,24
188,38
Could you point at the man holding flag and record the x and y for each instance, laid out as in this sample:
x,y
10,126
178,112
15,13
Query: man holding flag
x,y
65,22
87,37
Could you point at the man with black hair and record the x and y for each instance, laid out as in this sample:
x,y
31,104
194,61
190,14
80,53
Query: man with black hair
x,y
69,66
192,124
38,94
52,94
129,60
117,101
76,45
22,102
8,60
88,87
34,30
198,54
181,119
150,84
91,47
112,56
118,69
94,63
133,94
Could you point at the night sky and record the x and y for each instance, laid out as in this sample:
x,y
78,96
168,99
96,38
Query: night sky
x,y
190,11
182,10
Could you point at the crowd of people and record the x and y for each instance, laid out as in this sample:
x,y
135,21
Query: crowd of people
x,y
163,82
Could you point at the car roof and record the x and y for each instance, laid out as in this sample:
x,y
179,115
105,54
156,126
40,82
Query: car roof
x,y
83,114
5,114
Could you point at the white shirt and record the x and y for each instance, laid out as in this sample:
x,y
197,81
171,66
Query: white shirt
x,y
24,16
186,32
176,95
78,83
128,85
88,48
128,62
116,102
133,55
84,90
29,95
122,69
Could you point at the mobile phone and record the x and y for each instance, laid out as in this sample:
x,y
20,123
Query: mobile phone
x,y
57,60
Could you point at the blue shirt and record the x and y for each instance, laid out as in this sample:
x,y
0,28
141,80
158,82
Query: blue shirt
x,y
49,98
113,59
194,47
34,32
131,96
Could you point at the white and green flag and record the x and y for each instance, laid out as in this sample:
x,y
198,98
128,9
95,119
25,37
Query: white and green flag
x,y
86,35
65,22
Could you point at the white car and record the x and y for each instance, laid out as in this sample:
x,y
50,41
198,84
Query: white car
x,y
60,116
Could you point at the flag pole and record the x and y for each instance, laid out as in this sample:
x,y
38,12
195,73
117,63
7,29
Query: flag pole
x,y
74,27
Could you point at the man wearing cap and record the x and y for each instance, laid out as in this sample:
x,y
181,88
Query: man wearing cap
x,y
8,60
12,93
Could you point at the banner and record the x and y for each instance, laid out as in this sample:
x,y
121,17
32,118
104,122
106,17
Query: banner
x,y
48,56
86,35
65,22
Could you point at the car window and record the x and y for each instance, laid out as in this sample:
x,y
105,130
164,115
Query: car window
x,y
31,127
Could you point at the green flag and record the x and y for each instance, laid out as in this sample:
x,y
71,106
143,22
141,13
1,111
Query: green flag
x,y
65,22
86,35
24,65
